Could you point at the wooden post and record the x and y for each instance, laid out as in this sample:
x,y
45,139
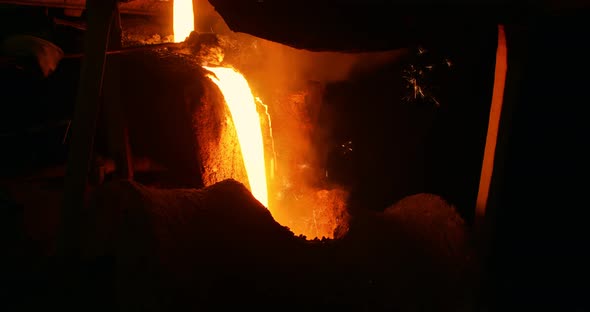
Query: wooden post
x,y
100,14
113,111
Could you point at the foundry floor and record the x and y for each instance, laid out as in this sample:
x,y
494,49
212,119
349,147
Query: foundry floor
x,y
190,249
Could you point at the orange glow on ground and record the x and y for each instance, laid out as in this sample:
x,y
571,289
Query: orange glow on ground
x,y
184,19
242,106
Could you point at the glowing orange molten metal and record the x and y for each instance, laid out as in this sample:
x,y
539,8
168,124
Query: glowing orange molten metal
x,y
309,211
184,19
241,103
239,99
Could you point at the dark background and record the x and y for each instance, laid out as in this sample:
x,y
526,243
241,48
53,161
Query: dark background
x,y
540,238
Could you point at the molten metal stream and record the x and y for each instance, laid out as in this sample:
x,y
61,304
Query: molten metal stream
x,y
183,19
242,106
241,103
324,206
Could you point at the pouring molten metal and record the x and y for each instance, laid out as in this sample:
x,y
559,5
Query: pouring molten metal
x,y
183,19
239,99
312,212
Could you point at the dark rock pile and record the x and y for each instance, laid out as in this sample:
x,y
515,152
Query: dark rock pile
x,y
218,247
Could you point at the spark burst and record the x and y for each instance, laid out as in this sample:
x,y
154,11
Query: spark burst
x,y
420,77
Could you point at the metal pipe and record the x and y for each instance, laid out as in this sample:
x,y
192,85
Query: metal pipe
x,y
128,50
101,14
113,112
138,7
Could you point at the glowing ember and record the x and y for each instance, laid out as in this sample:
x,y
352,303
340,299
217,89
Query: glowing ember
x,y
239,99
183,22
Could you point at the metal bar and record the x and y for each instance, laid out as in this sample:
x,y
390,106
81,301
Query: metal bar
x,y
507,83
100,15
138,7
487,167
129,50
113,112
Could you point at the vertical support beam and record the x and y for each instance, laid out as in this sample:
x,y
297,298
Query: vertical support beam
x,y
509,71
113,111
100,14
491,147
490,172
